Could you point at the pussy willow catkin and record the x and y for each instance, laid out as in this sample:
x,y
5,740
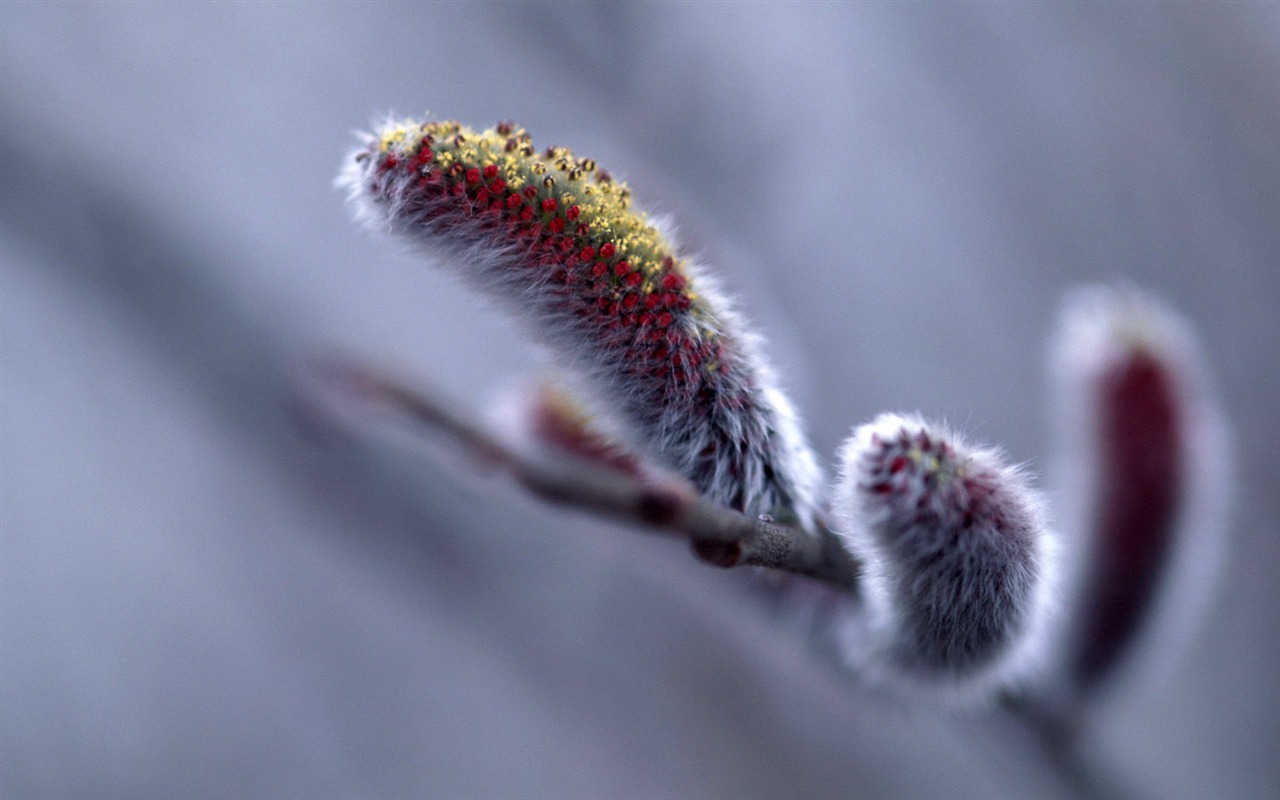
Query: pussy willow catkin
x,y
654,345
955,551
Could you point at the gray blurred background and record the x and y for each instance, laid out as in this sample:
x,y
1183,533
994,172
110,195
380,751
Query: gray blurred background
x,y
200,597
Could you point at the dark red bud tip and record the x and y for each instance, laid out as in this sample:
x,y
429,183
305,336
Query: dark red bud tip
x,y
1141,448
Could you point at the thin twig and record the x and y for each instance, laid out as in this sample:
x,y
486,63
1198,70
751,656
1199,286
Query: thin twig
x,y
718,535
1060,738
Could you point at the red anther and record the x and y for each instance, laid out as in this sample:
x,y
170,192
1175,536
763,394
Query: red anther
x,y
647,319
670,299
530,192
549,204
473,175
630,301
634,279
482,195
599,269
573,213
514,201
614,309
650,301
565,244
588,253
526,214
607,250
583,229
556,225
664,319
673,280
621,268
490,172
498,186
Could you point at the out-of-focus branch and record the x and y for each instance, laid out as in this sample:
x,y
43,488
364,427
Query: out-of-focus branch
x,y
1061,734
717,535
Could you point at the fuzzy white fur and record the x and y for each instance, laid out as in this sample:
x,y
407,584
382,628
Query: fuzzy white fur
x,y
957,591
766,467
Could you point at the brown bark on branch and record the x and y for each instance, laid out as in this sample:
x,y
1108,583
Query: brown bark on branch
x,y
717,535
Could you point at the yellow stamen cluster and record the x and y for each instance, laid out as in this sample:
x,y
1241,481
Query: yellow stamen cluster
x,y
603,204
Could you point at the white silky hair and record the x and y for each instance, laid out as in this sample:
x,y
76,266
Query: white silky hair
x,y
948,614
768,468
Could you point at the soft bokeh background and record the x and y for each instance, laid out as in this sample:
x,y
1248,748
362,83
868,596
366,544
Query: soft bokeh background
x,y
201,598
